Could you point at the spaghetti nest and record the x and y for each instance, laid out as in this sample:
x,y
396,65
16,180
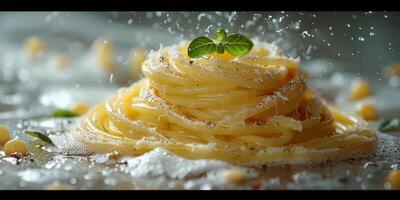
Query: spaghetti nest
x,y
251,110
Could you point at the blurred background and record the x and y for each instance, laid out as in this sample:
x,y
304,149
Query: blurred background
x,y
369,38
52,59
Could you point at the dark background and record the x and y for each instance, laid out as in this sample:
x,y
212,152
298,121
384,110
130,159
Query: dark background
x,y
380,30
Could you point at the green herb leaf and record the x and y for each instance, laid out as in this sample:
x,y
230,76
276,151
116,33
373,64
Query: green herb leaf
x,y
388,125
237,44
40,136
220,49
201,46
63,113
220,34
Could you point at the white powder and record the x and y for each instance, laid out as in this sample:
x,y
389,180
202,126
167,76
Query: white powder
x,y
160,162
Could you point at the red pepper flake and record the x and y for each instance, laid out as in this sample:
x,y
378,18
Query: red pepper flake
x,y
256,185
16,155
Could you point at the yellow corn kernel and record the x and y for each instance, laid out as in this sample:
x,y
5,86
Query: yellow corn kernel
x,y
60,61
103,46
234,175
80,108
138,55
104,50
4,135
55,186
34,45
360,89
394,179
367,111
106,61
15,146
393,70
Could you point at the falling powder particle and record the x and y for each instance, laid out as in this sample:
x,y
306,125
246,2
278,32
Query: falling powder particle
x,y
111,78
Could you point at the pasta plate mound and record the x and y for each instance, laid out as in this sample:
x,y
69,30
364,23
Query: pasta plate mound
x,y
250,110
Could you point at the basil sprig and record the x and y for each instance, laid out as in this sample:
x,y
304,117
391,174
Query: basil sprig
x,y
386,125
234,44
63,113
40,136
201,46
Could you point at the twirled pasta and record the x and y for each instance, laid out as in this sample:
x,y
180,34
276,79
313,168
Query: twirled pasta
x,y
250,110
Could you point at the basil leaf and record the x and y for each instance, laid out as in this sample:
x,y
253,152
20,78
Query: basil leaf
x,y
201,46
40,136
220,49
63,113
237,44
220,34
388,125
